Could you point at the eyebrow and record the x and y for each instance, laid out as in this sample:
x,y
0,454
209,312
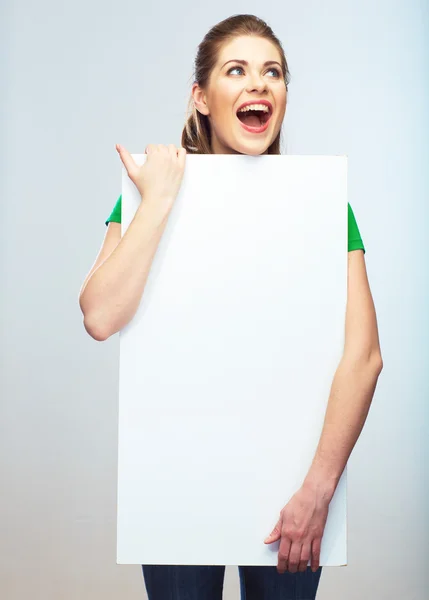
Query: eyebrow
x,y
245,63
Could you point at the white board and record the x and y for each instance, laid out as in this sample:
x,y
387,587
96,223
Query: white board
x,y
226,368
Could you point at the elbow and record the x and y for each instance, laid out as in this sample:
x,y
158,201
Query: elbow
x,y
376,360
99,325
95,330
368,361
92,323
379,363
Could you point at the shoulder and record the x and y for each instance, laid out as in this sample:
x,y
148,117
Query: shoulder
x,y
355,241
116,214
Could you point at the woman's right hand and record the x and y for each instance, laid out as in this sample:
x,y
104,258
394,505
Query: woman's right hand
x,y
158,180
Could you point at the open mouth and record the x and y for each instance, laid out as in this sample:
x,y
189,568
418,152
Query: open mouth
x,y
254,118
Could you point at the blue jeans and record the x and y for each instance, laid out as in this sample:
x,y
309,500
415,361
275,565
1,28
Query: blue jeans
x,y
183,582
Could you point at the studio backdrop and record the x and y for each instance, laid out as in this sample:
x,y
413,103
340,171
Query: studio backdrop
x,y
81,77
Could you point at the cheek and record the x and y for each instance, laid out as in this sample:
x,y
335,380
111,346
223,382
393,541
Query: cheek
x,y
222,116
280,92
281,105
223,103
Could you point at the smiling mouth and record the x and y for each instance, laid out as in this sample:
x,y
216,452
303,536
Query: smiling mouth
x,y
254,118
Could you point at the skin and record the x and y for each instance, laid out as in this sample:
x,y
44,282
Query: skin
x,y
232,84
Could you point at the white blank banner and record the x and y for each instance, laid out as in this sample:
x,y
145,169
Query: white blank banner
x,y
226,368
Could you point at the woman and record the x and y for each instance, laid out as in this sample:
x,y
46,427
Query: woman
x,y
238,104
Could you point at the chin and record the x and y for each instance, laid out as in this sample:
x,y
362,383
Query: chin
x,y
255,146
252,149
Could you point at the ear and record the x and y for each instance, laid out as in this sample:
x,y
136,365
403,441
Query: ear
x,y
200,100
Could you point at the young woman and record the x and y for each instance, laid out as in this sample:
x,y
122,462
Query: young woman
x,y
238,103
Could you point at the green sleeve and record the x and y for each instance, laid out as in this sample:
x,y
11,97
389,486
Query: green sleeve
x,y
355,240
354,237
116,213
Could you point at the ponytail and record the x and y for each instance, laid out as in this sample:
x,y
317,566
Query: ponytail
x,y
196,136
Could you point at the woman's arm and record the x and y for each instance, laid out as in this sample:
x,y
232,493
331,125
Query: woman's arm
x,y
112,291
353,385
302,521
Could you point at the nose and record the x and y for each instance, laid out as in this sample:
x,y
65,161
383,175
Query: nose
x,y
256,84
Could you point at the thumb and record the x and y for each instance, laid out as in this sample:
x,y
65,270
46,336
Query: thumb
x,y
127,160
275,535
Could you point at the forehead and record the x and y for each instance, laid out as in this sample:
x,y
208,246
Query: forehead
x,y
251,48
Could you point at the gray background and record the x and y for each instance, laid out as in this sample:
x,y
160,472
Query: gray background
x,y
77,79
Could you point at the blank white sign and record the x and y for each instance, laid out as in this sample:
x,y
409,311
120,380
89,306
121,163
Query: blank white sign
x,y
226,368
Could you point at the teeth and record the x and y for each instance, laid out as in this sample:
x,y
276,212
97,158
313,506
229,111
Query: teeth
x,y
262,107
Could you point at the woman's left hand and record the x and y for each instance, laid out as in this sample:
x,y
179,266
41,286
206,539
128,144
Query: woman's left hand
x,y
300,528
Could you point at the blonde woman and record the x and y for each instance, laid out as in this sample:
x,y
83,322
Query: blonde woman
x,y
238,104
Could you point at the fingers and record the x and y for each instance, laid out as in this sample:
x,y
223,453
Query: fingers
x,y
315,554
175,152
283,555
172,150
150,148
294,557
179,153
182,157
126,159
305,556
275,534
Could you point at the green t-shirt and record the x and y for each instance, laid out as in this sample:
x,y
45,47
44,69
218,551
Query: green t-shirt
x,y
355,240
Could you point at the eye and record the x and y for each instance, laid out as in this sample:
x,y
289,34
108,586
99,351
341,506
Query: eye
x,y
235,69
276,71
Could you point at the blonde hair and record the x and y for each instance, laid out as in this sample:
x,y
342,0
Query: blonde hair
x,y
196,135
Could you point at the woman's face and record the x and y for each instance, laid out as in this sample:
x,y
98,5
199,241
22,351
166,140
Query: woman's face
x,y
248,70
